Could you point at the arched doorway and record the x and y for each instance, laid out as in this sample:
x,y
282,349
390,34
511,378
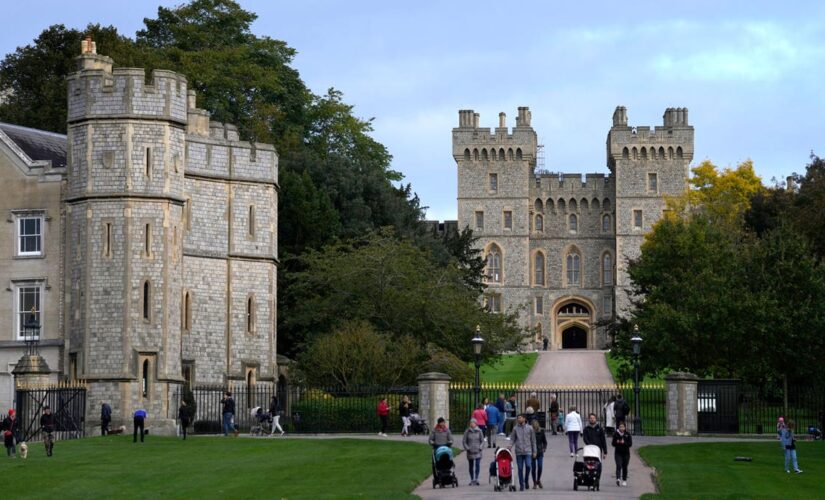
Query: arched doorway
x,y
574,337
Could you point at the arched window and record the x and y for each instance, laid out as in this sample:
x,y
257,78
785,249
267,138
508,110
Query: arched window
x,y
661,153
679,152
573,269
475,154
583,205
562,206
670,153
595,204
518,153
538,206
573,206
484,154
510,153
539,223
538,269
493,154
250,314
501,154
625,154
635,153
551,207
644,153
494,264
652,153
574,223
250,384
147,300
147,240
186,313
607,270
467,154
606,205
605,223
144,379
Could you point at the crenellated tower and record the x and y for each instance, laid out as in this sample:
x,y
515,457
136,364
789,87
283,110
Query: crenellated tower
x,y
648,165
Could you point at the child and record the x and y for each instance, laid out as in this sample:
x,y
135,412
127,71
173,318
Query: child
x,y
789,444
621,444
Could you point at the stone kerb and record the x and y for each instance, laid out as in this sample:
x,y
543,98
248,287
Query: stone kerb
x,y
682,404
434,397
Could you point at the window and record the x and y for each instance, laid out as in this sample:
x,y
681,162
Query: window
x,y
652,183
539,223
508,219
479,220
252,220
494,264
607,305
574,223
145,378
250,314
187,214
148,163
73,366
147,240
186,312
538,269
107,239
147,300
30,236
607,270
573,269
494,182
605,223
637,219
27,302
494,303
539,305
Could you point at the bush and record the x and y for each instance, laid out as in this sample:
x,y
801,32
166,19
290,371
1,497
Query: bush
x,y
208,427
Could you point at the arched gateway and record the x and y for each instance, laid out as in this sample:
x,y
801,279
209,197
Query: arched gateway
x,y
573,324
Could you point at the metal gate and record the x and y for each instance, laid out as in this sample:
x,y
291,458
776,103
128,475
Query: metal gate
x,y
719,406
68,405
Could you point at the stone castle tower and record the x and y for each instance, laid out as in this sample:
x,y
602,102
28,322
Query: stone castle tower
x,y
171,242
557,245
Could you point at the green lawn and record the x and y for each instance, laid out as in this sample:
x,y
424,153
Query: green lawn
x,y
707,470
510,369
213,467
613,365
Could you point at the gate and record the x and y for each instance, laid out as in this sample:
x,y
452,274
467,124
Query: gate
x,y
68,405
719,406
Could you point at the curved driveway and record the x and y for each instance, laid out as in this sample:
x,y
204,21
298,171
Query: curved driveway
x,y
570,367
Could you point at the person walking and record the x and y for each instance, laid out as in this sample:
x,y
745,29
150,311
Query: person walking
x,y
139,423
621,409
11,433
788,441
383,411
494,421
47,427
404,409
105,417
554,414
473,444
545,342
523,443
228,412
622,441
480,416
183,416
533,402
573,427
440,435
538,460
593,434
502,407
275,413
609,416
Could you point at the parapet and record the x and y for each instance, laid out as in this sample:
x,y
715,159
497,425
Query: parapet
x,y
671,141
472,142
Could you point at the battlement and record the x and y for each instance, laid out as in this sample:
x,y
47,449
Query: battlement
x,y
671,141
573,183
220,153
470,142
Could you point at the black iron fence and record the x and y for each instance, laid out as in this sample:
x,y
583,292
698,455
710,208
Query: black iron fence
x,y
67,403
303,409
759,409
586,399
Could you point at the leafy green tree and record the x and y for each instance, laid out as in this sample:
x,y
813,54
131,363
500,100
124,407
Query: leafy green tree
x,y
809,204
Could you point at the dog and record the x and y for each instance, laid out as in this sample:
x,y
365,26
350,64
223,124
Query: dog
x,y
119,430
24,450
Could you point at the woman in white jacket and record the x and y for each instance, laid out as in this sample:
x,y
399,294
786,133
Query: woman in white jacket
x,y
573,427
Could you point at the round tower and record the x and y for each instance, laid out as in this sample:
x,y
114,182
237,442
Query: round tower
x,y
124,208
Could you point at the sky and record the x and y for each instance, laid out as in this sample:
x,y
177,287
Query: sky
x,y
750,72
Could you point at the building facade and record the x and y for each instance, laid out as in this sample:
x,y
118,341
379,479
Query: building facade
x,y
168,249
557,245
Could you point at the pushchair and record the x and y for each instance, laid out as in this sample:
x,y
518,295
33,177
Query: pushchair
x,y
261,422
588,472
502,469
418,425
815,433
444,468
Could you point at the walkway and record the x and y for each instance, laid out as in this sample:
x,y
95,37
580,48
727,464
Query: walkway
x,y
570,367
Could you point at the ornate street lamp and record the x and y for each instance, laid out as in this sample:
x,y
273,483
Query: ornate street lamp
x,y
637,350
477,343
31,332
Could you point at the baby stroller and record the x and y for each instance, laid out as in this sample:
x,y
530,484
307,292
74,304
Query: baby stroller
x,y
589,471
444,468
418,425
815,433
502,470
260,418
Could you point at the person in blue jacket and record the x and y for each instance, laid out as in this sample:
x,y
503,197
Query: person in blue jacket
x,y
500,405
493,421
140,422
786,437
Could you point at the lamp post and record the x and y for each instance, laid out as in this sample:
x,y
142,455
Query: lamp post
x,y
637,349
477,343
31,332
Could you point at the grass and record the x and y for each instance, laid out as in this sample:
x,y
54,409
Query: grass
x,y
707,470
211,467
613,365
509,369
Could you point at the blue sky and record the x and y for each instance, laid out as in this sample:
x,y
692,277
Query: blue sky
x,y
751,73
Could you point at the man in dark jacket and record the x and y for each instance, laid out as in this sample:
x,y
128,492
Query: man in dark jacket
x,y
594,434
620,409
47,427
228,413
554,413
105,417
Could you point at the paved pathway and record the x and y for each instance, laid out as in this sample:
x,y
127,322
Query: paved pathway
x,y
570,367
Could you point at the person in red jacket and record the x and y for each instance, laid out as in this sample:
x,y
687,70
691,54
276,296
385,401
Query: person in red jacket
x,y
384,414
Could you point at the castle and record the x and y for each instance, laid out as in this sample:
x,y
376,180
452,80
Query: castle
x,y
557,246
166,229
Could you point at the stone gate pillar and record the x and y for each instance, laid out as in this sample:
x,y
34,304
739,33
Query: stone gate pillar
x,y
434,397
32,371
682,404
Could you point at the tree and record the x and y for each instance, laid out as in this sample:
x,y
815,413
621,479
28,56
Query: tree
x,y
809,205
